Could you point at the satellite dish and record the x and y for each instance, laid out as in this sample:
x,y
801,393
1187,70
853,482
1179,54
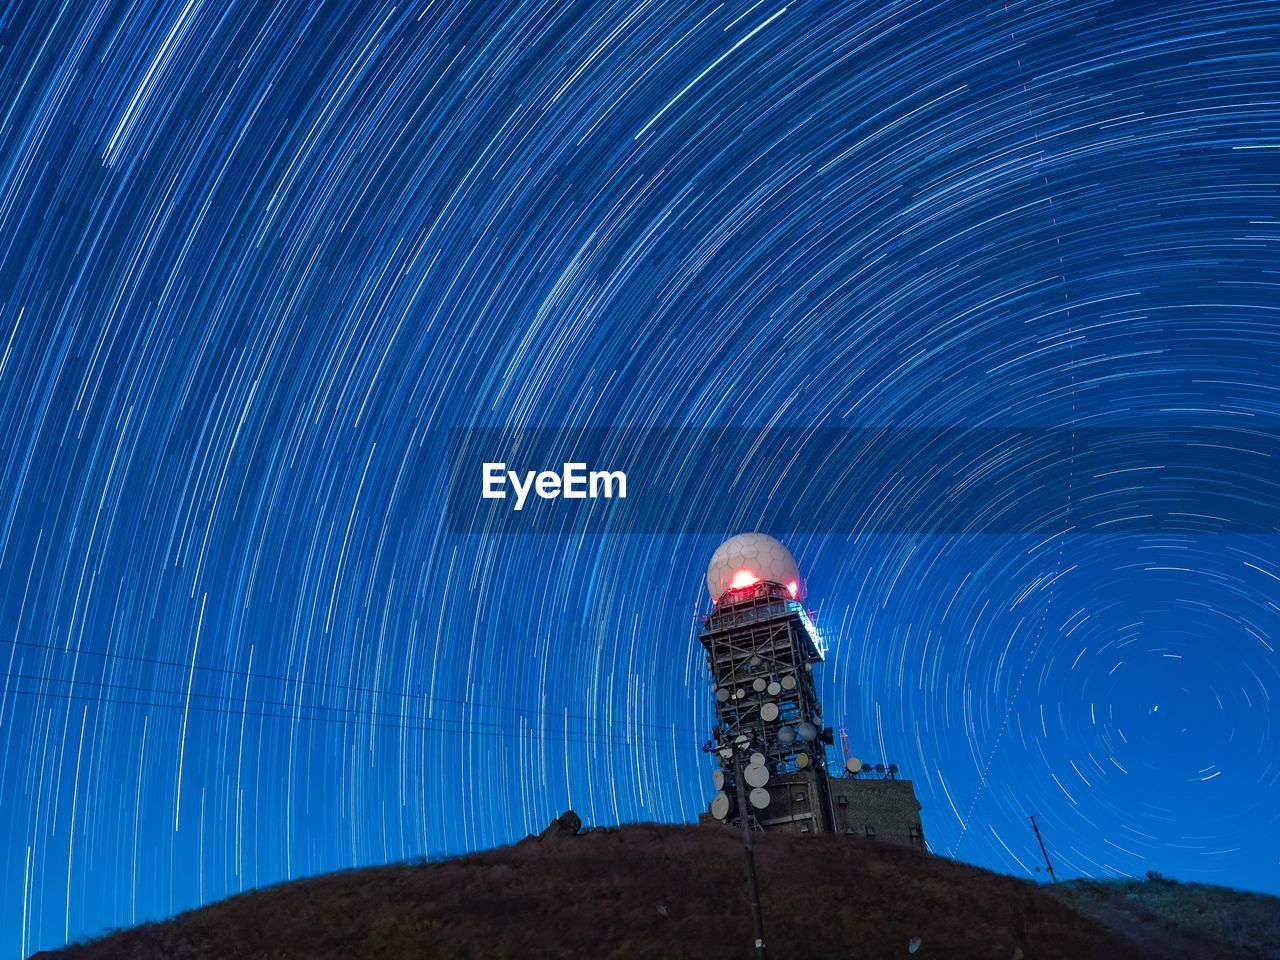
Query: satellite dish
x,y
758,684
758,759
722,694
759,798
774,688
806,731
717,778
866,768
893,768
739,694
742,740
879,768
756,776
853,765
802,760
913,945
786,736
726,752
788,682
720,806
769,712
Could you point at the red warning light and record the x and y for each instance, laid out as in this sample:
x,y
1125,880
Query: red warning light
x,y
793,588
743,578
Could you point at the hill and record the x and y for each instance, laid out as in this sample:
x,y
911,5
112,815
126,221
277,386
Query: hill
x,y
648,891
1173,911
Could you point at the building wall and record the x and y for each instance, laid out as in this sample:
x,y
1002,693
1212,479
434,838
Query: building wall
x,y
795,804
885,809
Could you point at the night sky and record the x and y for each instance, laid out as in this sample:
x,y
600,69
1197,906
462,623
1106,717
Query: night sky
x,y
257,261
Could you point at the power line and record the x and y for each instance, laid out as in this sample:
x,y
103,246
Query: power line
x,y
300,714
349,688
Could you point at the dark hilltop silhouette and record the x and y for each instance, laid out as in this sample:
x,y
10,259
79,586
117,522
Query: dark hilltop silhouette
x,y
649,891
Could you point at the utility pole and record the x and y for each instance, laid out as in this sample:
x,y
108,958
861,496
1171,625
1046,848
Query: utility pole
x,y
753,884
1052,876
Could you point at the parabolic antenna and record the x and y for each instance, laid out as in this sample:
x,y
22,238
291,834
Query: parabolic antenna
x,y
802,760
774,689
748,559
758,684
807,731
759,798
769,712
723,694
720,806
853,765
755,775
788,682
786,736
758,759
717,778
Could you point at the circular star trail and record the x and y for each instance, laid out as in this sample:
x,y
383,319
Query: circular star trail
x,y
258,260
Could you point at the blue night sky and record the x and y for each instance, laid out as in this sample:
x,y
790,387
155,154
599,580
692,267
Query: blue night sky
x,y
258,260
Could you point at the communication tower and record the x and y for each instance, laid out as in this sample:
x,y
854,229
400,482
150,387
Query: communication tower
x,y
768,737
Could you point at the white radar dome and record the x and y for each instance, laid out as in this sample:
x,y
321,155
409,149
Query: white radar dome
x,y
749,558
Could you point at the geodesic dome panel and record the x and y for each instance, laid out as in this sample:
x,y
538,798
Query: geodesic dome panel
x,y
749,558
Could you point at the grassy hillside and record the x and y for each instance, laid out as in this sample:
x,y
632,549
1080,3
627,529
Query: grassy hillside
x,y
1249,921
662,892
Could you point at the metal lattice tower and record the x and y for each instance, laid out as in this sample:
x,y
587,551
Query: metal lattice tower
x,y
768,738
761,646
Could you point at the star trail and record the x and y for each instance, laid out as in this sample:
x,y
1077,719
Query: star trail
x,y
258,261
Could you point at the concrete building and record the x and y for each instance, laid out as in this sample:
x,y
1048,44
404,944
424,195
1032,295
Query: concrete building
x,y
881,809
